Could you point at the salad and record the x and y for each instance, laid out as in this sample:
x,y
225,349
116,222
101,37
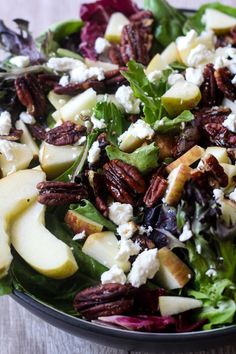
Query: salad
x,y
117,160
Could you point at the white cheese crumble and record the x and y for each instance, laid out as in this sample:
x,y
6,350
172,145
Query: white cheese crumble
x,y
218,194
120,213
125,98
139,129
145,230
5,123
232,196
64,80
194,75
27,118
198,55
94,153
127,248
186,233
113,275
64,64
184,42
144,267
81,141
101,45
154,76
81,73
211,273
98,123
79,236
175,77
21,61
230,122
6,150
126,230
199,249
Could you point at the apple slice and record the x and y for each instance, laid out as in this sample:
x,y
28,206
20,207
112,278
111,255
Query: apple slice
x,y
104,247
101,64
21,187
19,159
82,102
230,170
170,54
115,26
220,153
58,101
157,63
79,223
129,143
182,95
176,181
173,273
27,138
218,21
57,159
173,305
39,247
191,156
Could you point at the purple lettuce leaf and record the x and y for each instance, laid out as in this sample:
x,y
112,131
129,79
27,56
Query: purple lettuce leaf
x,y
185,324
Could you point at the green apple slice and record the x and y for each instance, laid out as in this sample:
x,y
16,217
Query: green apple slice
x,y
170,54
55,160
100,64
115,26
27,138
173,305
218,21
58,101
39,247
157,63
21,187
79,223
220,154
183,95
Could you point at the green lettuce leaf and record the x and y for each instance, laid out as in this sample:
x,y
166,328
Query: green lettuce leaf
x,y
114,118
169,21
195,21
148,92
6,285
166,125
144,158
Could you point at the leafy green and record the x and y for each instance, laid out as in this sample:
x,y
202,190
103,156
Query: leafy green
x,y
144,158
195,21
5,285
61,52
114,118
169,21
87,209
166,125
148,92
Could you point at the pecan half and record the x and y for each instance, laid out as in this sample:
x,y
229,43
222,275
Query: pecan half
x,y
66,134
215,172
189,137
123,181
60,193
115,56
204,116
211,95
228,39
100,193
155,191
75,88
37,131
48,80
14,135
219,135
31,95
224,78
118,307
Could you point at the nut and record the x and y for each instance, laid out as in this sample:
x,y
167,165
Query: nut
x,y
204,116
48,80
37,131
123,181
75,88
219,135
224,78
67,133
214,171
155,191
115,55
211,95
14,135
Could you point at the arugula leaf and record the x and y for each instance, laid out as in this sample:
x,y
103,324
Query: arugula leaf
x,y
148,92
144,158
195,21
169,21
114,118
87,209
166,125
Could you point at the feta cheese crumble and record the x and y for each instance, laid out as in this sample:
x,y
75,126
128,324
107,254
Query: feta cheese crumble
x,y
27,118
144,267
154,76
120,213
113,275
94,153
64,64
64,80
139,129
184,42
5,123
81,74
125,98
127,248
211,273
194,75
186,233
79,236
6,150
21,61
175,77
98,123
232,196
101,45
126,230
198,55
145,230
230,122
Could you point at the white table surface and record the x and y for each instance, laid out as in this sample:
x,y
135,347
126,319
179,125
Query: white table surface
x,y
21,332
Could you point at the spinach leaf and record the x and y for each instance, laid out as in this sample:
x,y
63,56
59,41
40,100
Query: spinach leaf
x,y
114,118
144,158
166,125
148,92
5,285
169,21
195,21
87,209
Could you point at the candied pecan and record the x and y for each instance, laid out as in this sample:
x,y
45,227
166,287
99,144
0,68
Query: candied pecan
x,y
232,155
118,307
215,172
228,39
211,95
166,144
155,191
100,193
200,178
31,95
186,140
60,193
37,131
219,135
143,17
204,116
14,135
48,80
115,56
67,133
224,78
75,88
123,181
